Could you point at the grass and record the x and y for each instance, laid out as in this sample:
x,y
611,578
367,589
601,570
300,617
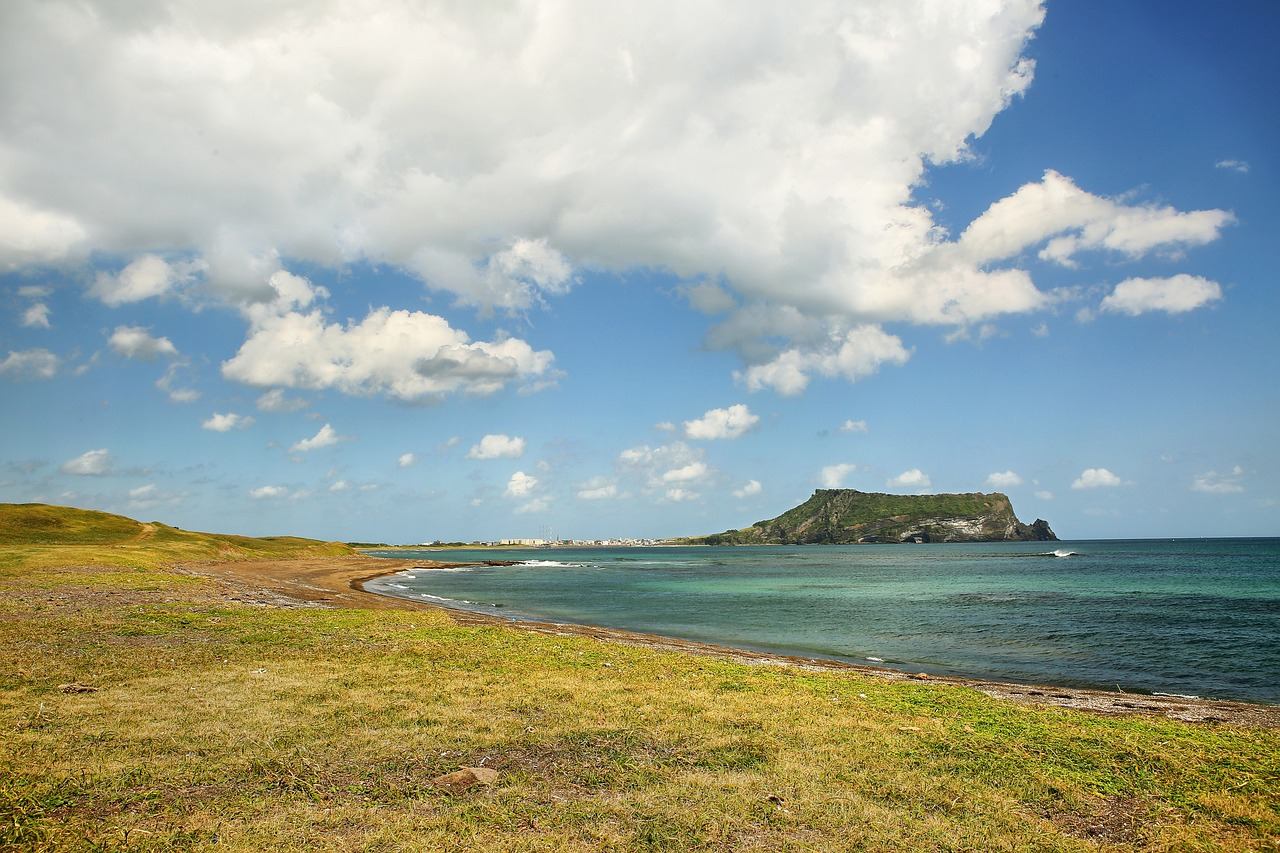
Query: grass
x,y
250,728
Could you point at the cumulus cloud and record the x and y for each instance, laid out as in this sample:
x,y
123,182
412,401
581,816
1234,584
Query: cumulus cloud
x,y
833,476
1044,495
91,463
324,438
667,464
1174,295
168,384
408,355
146,277
541,504
339,486
1073,221
1213,483
751,487
1233,166
31,235
912,478
772,157
732,422
138,343
1003,479
685,473
680,495
853,355
853,426
36,316
29,364
497,446
406,460
665,426
276,400
598,489
1096,478
227,422
262,492
520,485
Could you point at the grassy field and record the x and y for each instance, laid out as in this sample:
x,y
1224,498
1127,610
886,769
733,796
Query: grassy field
x,y
207,724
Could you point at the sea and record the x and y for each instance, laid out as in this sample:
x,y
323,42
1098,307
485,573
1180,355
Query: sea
x,y
1187,617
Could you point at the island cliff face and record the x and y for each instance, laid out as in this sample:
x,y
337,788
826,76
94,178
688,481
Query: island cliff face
x,y
848,516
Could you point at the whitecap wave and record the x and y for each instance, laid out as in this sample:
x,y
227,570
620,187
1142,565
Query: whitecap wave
x,y
1059,552
876,660
552,564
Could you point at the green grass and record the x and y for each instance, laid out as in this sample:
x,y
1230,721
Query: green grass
x,y
234,727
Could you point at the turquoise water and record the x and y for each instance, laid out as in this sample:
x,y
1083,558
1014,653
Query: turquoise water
x,y
1197,617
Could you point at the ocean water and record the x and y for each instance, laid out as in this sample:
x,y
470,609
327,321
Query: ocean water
x,y
1191,617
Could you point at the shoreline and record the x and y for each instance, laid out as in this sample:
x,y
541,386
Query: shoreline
x,y
340,581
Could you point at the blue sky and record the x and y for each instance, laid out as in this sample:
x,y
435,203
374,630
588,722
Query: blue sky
x,y
680,274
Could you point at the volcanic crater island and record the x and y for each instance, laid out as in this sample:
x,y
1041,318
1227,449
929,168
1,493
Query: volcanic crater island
x,y
851,517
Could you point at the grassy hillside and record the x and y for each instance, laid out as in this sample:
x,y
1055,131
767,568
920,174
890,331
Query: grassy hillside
x,y
841,516
38,537
177,718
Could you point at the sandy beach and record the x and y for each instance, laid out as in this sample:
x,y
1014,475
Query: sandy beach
x,y
339,582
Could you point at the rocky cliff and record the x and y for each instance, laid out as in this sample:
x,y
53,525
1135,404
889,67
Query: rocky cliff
x,y
847,516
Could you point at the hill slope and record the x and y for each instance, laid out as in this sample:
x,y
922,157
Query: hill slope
x,y
847,516
37,526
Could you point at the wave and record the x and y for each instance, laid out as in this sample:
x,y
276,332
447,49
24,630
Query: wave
x,y
555,564
1059,552
876,660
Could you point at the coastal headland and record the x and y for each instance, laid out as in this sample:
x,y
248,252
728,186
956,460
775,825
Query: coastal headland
x,y
167,689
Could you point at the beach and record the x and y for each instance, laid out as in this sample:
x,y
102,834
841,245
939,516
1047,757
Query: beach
x,y
340,582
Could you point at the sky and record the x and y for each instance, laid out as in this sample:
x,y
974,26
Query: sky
x,y
406,271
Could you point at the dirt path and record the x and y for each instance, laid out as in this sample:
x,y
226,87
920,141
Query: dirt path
x,y
338,582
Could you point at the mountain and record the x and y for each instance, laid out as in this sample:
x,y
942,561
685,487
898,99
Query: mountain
x,y
847,516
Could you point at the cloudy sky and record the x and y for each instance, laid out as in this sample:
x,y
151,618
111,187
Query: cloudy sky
x,y
407,270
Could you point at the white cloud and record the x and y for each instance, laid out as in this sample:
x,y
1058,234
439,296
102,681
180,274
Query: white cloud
x,y
598,489
541,504
1233,165
497,446
339,486
406,460
853,426
1096,478
752,487
146,277
661,466
451,442
1040,330
709,298
408,355
1079,221
142,492
29,364
227,422
1175,295
1044,495
29,235
679,495
852,355
34,291
137,342
324,438
268,492
665,426
90,463
36,316
166,384
1213,483
276,400
912,478
833,476
772,157
521,484
1003,479
686,473
732,422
